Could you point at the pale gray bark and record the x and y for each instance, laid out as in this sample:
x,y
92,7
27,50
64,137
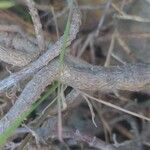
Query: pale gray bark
x,y
52,52
79,76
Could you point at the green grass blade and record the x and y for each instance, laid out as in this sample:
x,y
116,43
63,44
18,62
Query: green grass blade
x,y
5,4
9,131
64,46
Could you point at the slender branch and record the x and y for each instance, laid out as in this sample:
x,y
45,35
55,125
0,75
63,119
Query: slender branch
x,y
29,95
17,58
37,24
80,76
43,60
131,77
22,49
77,136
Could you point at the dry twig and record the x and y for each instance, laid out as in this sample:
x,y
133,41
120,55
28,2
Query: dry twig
x,y
37,24
79,76
52,52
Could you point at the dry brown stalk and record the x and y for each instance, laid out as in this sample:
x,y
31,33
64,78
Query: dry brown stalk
x,y
78,75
